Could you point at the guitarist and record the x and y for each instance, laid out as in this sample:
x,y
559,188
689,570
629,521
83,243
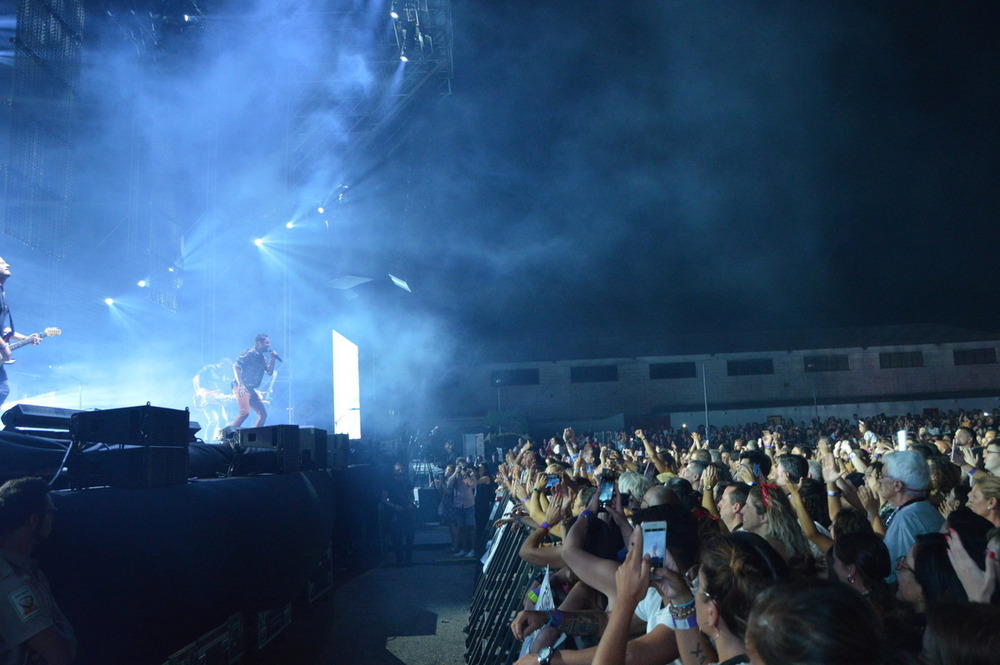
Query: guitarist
x,y
7,337
212,387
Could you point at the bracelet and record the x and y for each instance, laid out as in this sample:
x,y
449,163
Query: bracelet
x,y
555,618
829,493
544,525
687,612
683,605
686,623
535,490
524,500
588,514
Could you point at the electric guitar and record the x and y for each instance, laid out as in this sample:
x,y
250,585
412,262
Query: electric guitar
x,y
48,332
212,398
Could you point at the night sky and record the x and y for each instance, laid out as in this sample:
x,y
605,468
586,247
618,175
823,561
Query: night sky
x,y
639,169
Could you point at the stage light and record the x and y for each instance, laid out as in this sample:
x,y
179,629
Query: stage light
x,y
171,269
400,283
321,210
403,58
289,225
109,301
394,14
259,242
143,283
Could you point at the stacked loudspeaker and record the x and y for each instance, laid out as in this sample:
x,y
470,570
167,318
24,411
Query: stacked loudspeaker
x,y
147,445
283,449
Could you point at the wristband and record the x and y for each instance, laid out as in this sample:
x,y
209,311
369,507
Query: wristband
x,y
686,623
588,514
544,525
682,605
679,614
832,493
555,618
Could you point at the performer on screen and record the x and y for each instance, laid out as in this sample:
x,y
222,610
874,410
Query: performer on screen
x,y
212,389
8,336
250,369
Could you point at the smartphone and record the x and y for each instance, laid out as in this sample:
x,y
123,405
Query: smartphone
x,y
553,479
607,492
524,476
901,439
756,471
654,541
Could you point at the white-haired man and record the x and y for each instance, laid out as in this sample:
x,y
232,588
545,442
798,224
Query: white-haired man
x,y
903,484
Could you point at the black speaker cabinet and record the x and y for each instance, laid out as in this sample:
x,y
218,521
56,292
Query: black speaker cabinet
x,y
134,425
281,438
40,417
141,467
312,448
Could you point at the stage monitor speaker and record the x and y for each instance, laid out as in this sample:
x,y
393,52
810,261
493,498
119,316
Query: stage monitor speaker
x,y
312,448
38,417
135,425
281,438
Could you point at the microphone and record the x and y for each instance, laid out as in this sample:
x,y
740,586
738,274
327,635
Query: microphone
x,y
276,356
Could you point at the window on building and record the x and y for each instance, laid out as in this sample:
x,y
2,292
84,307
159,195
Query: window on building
x,y
672,370
901,359
832,363
976,356
514,377
593,373
751,367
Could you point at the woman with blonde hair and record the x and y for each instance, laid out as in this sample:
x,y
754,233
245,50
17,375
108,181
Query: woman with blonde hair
x,y
984,499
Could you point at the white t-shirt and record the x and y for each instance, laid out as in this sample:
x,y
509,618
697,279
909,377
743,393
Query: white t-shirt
x,y
651,610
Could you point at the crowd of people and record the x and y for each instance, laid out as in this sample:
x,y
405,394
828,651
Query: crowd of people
x,y
866,541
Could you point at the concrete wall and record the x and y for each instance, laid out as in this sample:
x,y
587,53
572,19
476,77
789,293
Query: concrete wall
x,y
863,388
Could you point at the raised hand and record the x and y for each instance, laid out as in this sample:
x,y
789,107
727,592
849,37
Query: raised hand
x,y
831,474
710,476
868,500
978,584
632,577
554,513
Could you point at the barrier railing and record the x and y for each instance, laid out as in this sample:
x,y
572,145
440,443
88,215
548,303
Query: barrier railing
x,y
497,598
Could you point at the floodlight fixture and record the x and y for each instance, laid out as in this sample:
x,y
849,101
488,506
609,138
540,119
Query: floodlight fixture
x,y
109,301
259,242
400,283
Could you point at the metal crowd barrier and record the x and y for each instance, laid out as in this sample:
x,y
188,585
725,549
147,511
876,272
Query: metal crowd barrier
x,y
498,597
